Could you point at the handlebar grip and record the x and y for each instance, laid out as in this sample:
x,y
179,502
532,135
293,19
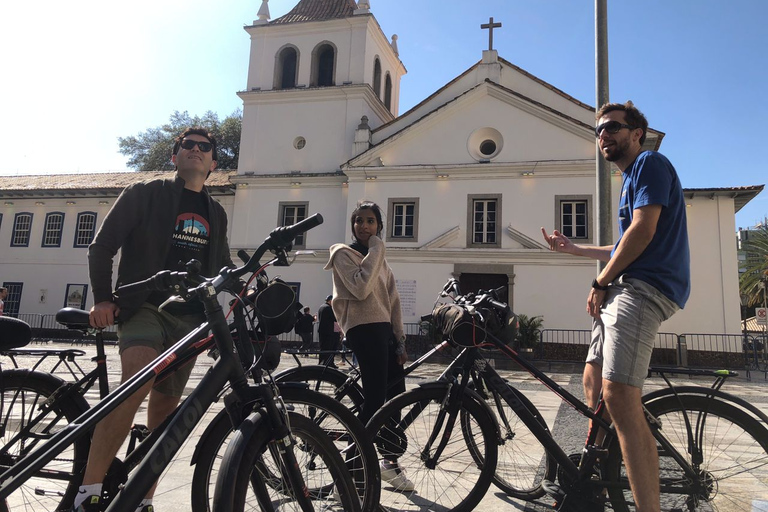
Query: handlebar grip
x,y
243,255
286,234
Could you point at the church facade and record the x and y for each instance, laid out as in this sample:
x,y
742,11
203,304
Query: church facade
x,y
466,179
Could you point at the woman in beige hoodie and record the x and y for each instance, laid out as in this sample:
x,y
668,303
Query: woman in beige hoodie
x,y
367,307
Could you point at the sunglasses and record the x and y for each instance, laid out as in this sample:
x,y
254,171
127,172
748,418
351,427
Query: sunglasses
x,y
204,146
611,127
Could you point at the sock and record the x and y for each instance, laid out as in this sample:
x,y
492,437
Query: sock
x,y
144,503
85,491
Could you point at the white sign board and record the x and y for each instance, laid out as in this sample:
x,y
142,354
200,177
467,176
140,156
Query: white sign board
x,y
407,290
760,316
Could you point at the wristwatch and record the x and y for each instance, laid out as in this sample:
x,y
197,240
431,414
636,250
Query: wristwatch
x,y
598,286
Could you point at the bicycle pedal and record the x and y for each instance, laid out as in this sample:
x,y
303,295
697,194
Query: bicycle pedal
x,y
553,490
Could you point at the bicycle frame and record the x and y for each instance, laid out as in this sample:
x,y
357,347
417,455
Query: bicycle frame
x,y
472,360
227,368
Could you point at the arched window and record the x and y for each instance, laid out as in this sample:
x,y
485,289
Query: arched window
x,y
54,224
22,227
388,92
377,77
85,229
286,68
323,65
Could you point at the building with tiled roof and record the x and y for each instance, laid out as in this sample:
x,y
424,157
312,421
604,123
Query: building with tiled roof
x,y
466,178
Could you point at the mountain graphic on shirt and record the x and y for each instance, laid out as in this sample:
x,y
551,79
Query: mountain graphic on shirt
x,y
192,224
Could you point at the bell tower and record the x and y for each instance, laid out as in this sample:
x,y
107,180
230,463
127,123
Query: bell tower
x,y
313,74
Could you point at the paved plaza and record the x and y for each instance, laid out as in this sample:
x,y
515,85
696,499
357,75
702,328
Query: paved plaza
x,y
568,427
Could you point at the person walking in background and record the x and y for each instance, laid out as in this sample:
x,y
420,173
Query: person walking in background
x,y
325,321
3,296
304,327
367,306
645,281
155,226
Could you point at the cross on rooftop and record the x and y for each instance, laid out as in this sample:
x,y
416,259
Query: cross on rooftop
x,y
490,26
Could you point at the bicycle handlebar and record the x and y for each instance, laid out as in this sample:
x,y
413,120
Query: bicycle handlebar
x,y
279,239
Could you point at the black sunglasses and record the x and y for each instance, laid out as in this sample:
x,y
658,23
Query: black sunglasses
x,y
204,146
610,127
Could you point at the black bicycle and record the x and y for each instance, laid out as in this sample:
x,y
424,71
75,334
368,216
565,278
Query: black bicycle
x,y
278,447
519,471
713,446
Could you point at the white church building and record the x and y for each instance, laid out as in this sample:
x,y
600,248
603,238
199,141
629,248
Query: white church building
x,y
466,179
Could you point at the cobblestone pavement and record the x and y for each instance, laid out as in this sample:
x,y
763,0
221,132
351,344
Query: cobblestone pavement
x,y
567,426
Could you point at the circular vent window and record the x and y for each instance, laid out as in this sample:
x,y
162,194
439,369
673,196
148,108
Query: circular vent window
x,y
299,142
485,143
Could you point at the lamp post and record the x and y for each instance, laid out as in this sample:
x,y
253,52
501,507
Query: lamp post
x,y
745,344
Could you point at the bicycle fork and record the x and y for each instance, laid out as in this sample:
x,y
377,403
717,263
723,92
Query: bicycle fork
x,y
446,421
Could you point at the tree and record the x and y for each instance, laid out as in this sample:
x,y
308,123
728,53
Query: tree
x,y
151,150
753,280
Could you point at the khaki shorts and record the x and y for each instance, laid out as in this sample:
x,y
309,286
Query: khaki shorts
x,y
623,336
159,330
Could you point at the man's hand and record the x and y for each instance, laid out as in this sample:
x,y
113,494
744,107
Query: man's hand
x,y
595,302
402,358
558,242
103,314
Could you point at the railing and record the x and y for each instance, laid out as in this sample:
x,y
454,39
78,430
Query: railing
x,y
686,350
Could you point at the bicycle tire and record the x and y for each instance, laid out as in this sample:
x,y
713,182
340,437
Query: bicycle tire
x,y
262,471
335,419
735,457
459,480
23,392
523,462
329,381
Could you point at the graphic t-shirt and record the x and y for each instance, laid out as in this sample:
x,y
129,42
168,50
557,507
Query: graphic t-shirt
x,y
191,239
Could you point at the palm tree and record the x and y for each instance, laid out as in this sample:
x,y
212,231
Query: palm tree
x,y
752,282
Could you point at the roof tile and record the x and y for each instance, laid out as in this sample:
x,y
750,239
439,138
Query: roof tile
x,y
317,10
96,181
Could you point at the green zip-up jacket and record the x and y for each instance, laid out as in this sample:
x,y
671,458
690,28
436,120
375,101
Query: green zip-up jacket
x,y
140,225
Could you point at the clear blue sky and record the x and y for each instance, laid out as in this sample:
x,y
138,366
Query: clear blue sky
x,y
78,75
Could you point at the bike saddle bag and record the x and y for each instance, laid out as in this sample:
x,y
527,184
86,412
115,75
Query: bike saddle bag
x,y
276,307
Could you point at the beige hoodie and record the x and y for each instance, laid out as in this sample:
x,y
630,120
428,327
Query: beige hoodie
x,y
364,289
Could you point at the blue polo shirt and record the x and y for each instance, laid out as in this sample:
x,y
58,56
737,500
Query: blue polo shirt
x,y
666,262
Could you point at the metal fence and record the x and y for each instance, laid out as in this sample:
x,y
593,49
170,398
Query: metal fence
x,y
690,350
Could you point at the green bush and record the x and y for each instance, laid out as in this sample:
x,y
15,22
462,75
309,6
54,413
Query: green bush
x,y
528,330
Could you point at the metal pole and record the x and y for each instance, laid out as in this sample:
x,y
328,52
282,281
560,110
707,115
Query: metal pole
x,y
603,169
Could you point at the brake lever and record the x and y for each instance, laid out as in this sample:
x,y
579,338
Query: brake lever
x,y
169,300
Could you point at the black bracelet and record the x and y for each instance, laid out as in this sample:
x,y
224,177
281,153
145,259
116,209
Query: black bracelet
x,y
598,286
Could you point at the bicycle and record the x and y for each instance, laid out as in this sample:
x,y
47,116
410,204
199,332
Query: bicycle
x,y
517,471
712,445
271,416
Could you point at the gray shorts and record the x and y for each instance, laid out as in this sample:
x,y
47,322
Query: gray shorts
x,y
159,330
623,336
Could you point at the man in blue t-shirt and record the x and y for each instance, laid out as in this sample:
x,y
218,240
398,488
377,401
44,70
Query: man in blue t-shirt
x,y
645,281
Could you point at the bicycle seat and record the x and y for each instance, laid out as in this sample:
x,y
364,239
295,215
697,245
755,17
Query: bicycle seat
x,y
14,333
73,318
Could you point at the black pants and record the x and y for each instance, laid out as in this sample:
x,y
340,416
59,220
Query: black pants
x,y
374,346
328,341
306,340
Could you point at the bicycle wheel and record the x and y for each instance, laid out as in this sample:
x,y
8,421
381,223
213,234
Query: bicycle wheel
x,y
25,425
460,477
328,381
261,480
523,461
337,422
734,466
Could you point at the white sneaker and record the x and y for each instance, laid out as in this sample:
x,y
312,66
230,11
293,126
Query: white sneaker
x,y
392,474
